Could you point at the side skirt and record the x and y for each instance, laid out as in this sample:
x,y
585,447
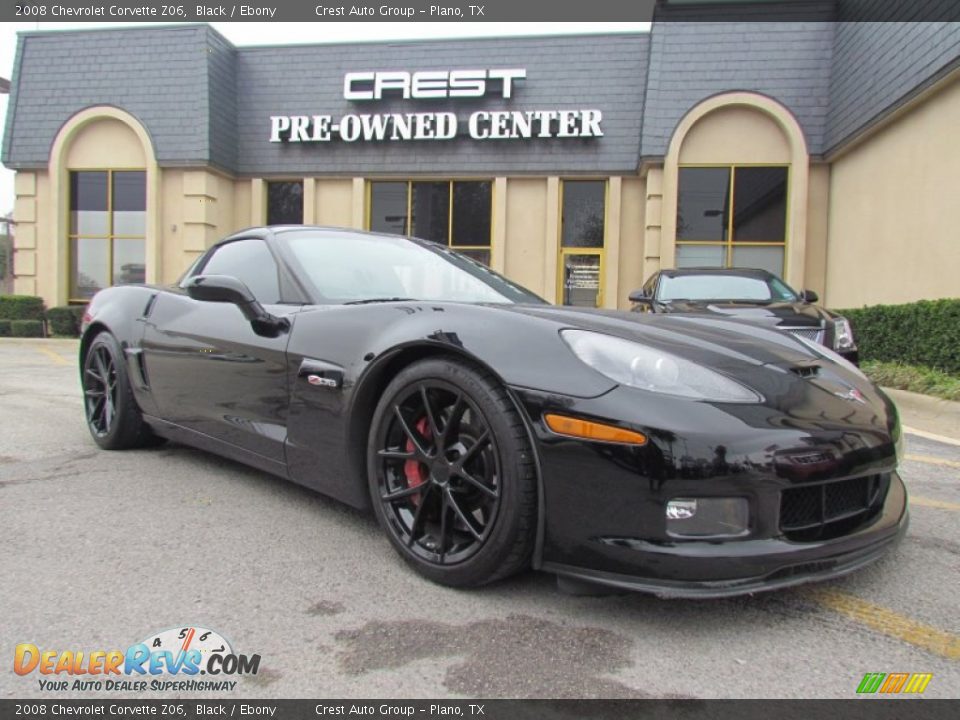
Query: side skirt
x,y
201,441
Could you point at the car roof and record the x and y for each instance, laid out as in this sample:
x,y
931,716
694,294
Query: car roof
x,y
736,272
263,231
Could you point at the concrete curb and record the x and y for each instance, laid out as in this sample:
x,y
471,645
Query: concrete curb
x,y
930,415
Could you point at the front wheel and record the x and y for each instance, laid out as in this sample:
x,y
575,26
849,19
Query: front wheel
x,y
451,474
113,418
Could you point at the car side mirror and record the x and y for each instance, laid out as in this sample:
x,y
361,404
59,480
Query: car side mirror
x,y
228,289
639,296
809,296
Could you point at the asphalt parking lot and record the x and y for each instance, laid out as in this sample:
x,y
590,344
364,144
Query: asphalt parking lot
x,y
101,550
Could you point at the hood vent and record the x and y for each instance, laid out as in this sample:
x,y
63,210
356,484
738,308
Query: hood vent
x,y
810,370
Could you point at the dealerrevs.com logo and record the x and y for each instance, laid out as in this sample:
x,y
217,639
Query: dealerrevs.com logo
x,y
168,661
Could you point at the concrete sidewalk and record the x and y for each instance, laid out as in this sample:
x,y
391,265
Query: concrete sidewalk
x,y
934,418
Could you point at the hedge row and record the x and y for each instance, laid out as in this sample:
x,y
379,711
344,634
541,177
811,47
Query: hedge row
x,y
21,307
26,316
921,333
65,321
21,328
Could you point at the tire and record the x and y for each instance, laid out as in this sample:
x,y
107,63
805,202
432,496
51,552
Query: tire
x,y
467,516
113,418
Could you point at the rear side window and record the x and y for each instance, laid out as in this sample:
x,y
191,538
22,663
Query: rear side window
x,y
251,262
650,285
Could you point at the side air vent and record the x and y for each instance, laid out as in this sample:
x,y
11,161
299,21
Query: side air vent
x,y
148,308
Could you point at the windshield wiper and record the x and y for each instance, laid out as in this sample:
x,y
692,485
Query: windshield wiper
x,y
379,300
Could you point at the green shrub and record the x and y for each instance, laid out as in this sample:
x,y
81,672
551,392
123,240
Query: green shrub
x,y
4,328
65,320
922,333
21,307
913,378
26,328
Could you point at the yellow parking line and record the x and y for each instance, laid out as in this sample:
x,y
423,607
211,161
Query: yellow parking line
x,y
929,459
59,359
890,623
930,436
930,502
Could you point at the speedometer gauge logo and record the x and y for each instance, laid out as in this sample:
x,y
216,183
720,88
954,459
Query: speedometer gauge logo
x,y
184,639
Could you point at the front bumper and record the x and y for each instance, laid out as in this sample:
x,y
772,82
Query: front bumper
x,y
760,565
603,505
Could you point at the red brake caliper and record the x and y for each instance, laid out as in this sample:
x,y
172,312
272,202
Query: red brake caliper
x,y
415,472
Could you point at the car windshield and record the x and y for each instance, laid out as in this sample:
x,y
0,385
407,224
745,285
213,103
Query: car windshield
x,y
724,287
360,268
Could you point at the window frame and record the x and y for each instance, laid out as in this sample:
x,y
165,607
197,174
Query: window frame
x,y
110,236
564,252
200,265
368,202
266,196
731,242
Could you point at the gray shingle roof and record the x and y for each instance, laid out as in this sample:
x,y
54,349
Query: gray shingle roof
x,y
691,61
157,75
205,102
878,64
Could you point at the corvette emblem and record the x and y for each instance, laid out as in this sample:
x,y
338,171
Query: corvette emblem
x,y
321,381
853,395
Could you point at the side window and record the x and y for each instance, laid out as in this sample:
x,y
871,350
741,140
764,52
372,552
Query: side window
x,y
251,262
650,286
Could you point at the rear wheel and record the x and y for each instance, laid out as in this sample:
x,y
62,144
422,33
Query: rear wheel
x,y
113,418
451,474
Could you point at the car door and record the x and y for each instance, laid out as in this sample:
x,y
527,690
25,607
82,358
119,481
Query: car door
x,y
208,370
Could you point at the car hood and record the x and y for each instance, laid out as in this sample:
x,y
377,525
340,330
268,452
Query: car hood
x,y
782,314
729,344
775,364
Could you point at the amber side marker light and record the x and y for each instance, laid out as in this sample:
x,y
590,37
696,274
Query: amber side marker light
x,y
574,427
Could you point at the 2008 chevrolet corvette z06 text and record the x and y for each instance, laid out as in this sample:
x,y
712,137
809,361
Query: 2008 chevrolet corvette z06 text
x,y
490,431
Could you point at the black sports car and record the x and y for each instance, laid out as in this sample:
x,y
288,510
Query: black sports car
x,y
753,295
490,431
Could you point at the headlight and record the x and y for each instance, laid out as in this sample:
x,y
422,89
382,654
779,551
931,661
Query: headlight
x,y
630,363
843,335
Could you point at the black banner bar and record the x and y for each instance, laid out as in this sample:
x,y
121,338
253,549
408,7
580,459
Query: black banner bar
x,y
480,11
857,709
329,11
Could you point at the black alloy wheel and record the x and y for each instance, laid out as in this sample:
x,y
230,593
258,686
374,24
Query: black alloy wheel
x,y
451,474
113,418
100,390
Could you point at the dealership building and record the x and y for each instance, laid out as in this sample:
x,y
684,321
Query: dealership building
x,y
828,152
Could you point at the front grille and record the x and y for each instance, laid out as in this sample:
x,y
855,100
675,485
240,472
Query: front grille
x,y
831,509
810,333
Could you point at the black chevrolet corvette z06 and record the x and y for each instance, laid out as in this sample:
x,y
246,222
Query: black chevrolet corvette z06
x,y
490,431
750,294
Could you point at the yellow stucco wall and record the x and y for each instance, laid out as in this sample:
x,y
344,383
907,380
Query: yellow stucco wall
x,y
632,205
334,202
105,143
524,237
733,135
815,272
893,234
